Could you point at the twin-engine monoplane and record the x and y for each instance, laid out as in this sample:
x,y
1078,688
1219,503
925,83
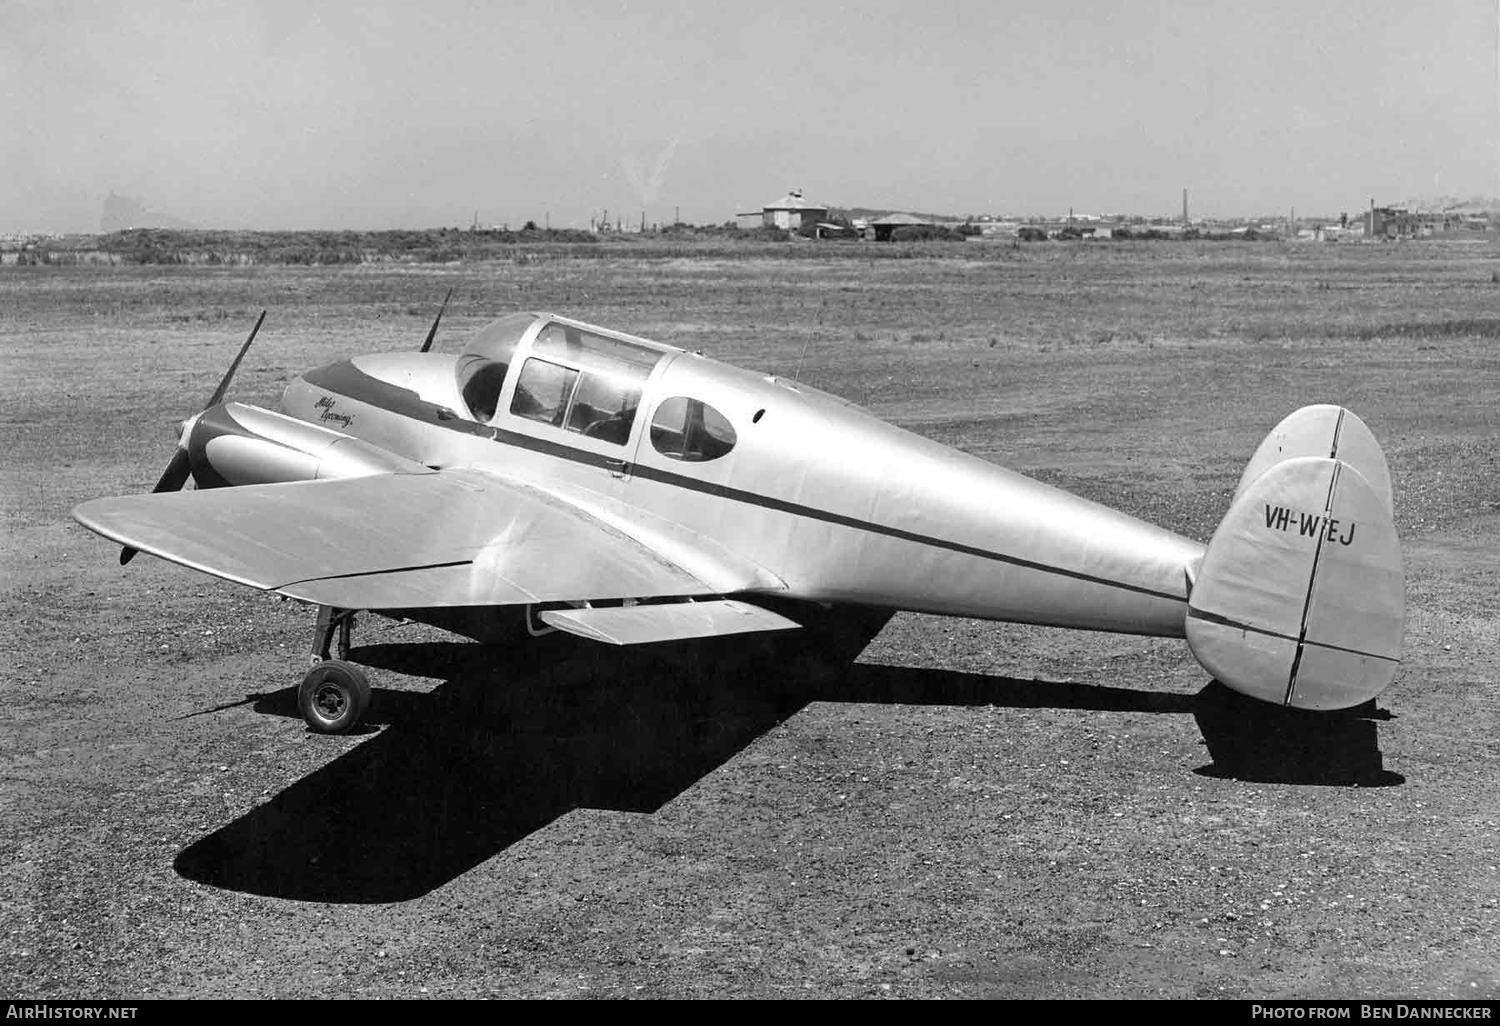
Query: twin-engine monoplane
x,y
629,492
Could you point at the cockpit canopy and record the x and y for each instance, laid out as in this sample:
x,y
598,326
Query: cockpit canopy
x,y
574,378
585,380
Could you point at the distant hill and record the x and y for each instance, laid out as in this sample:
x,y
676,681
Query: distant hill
x,y
1455,204
871,213
122,213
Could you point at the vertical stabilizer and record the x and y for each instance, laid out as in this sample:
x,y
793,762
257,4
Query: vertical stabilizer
x,y
1300,597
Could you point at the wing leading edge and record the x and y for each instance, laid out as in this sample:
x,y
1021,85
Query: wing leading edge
x,y
404,541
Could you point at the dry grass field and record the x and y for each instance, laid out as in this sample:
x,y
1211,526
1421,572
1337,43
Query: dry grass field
x,y
968,810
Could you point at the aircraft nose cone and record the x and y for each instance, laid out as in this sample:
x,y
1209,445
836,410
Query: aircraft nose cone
x,y
185,430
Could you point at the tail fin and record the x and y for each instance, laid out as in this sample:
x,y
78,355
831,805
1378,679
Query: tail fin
x,y
1299,599
1322,430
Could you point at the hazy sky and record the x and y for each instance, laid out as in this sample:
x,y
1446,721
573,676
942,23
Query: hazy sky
x,y
372,114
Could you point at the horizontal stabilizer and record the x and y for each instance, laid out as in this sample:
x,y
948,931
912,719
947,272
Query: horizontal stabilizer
x,y
672,621
1300,598
1323,430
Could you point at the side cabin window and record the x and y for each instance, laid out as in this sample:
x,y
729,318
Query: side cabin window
x,y
585,383
543,391
690,430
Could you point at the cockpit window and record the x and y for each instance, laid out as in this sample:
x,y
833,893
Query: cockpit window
x,y
543,392
481,369
690,430
582,382
481,381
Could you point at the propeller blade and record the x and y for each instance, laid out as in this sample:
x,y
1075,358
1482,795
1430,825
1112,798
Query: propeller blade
x,y
432,333
218,395
176,474
181,465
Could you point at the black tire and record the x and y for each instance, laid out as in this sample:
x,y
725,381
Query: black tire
x,y
333,697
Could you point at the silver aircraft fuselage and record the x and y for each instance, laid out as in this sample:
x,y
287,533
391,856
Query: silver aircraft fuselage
x,y
834,504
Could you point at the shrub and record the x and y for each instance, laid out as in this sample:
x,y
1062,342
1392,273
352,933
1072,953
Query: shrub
x,y
925,233
763,234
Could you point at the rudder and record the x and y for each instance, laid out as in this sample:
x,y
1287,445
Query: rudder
x,y
1299,599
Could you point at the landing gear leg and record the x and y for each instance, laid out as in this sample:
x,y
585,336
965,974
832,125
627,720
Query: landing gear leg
x,y
333,624
335,693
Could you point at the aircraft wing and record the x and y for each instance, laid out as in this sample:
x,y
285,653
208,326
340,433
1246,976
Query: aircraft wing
x,y
446,538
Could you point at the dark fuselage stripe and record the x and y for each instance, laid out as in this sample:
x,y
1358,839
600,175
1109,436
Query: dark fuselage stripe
x,y
352,383
812,513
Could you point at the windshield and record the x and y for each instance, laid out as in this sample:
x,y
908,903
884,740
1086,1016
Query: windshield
x,y
497,340
481,369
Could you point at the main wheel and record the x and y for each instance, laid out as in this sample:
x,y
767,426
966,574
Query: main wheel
x,y
333,697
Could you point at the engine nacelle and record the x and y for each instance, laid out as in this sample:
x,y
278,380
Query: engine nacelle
x,y
235,444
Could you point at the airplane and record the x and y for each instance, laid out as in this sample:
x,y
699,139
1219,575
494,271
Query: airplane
x,y
593,482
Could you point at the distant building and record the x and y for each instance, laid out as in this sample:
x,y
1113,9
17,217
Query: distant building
x,y
1391,223
834,230
791,212
1070,229
882,227
992,229
1398,223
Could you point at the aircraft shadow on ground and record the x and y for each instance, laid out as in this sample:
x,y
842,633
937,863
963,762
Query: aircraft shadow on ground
x,y
1251,740
514,738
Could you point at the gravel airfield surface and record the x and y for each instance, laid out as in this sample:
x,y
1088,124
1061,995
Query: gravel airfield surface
x,y
918,808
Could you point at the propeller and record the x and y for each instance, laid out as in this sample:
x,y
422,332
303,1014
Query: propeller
x,y
180,466
432,333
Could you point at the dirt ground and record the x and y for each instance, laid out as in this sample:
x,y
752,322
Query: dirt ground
x,y
967,810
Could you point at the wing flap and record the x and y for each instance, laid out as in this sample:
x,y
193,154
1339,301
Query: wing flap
x,y
448,538
670,621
